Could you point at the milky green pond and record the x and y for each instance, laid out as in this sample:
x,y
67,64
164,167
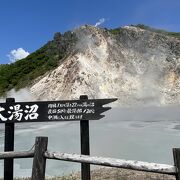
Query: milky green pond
x,y
146,134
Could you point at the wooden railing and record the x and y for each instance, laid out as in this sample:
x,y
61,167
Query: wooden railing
x,y
40,154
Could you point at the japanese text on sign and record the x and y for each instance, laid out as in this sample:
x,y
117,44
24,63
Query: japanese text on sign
x,y
16,112
69,111
71,105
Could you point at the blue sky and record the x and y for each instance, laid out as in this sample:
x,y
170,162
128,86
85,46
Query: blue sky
x,y
29,24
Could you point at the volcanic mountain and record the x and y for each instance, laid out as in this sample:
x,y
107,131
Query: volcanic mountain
x,y
137,65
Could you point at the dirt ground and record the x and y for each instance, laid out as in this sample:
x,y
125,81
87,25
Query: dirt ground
x,y
118,174
113,174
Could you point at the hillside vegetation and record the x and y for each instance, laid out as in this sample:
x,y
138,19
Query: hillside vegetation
x,y
23,72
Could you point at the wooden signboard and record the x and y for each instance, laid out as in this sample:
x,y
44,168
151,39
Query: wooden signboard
x,y
42,111
81,110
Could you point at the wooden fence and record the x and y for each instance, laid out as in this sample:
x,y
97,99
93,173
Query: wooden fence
x,y
40,154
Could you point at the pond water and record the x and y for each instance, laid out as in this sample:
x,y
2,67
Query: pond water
x,y
146,134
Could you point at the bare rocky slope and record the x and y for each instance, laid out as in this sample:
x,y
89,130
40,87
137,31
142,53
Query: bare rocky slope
x,y
137,66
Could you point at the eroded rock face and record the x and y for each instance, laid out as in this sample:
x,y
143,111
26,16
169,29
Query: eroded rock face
x,y
137,66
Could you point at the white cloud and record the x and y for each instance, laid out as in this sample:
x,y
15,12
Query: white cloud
x,y
17,54
101,21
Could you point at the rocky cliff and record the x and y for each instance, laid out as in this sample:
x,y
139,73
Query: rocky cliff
x,y
135,65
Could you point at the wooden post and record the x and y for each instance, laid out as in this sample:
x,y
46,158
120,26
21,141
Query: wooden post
x,y
9,146
85,148
176,154
39,161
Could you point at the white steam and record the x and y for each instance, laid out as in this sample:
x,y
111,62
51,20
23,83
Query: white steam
x,y
17,54
101,21
20,96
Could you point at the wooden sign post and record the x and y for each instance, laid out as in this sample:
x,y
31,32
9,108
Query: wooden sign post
x,y
85,146
9,146
81,110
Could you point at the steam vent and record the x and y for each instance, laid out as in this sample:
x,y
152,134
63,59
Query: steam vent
x,y
136,65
